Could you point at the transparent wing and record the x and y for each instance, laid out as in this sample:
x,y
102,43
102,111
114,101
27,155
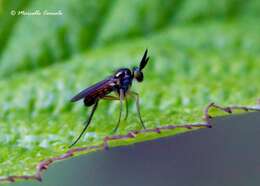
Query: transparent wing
x,y
95,90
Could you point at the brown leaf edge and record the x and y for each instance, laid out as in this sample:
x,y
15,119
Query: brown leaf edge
x,y
43,165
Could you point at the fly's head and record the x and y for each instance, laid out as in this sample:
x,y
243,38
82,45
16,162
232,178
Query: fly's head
x,y
138,74
137,71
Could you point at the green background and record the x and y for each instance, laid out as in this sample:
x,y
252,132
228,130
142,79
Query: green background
x,y
201,51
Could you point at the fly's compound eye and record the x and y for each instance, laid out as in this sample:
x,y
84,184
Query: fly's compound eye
x,y
138,75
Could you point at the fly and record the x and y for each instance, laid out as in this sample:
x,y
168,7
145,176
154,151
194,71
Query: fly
x,y
120,83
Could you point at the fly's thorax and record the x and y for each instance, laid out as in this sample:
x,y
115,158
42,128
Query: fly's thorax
x,y
122,72
123,78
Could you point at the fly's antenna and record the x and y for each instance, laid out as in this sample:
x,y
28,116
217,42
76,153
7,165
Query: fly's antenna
x,y
144,60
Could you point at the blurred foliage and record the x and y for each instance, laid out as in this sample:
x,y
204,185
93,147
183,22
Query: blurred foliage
x,y
201,51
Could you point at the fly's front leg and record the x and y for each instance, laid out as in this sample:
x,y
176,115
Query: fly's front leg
x,y
136,95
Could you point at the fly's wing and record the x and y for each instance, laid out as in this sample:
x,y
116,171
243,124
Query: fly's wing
x,y
102,87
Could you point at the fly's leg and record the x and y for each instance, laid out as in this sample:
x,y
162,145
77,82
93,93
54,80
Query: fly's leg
x,y
126,109
87,122
136,95
121,98
111,98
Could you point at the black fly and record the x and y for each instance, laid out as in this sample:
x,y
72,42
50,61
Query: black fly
x,y
120,83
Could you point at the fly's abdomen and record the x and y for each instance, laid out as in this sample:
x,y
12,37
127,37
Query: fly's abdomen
x,y
97,94
88,101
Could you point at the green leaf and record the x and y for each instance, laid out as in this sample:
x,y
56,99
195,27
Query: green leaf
x,y
197,57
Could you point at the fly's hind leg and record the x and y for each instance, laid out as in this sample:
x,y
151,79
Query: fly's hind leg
x,y
87,122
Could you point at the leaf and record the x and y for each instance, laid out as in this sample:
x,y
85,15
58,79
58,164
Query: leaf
x,y
195,59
